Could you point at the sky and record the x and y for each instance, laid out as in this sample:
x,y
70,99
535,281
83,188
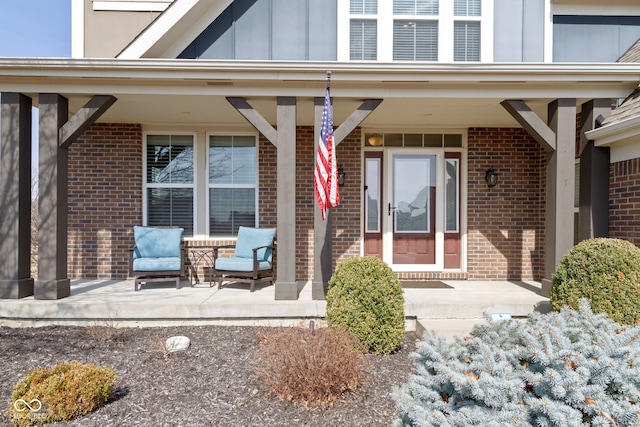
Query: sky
x,y
35,28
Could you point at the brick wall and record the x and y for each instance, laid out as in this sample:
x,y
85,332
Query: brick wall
x,y
105,200
506,222
624,200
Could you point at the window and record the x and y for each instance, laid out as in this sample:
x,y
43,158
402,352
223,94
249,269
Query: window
x,y
466,8
451,196
169,164
363,30
466,41
233,170
363,40
415,41
416,30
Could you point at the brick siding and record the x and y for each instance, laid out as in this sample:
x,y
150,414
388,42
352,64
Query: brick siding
x,y
105,200
624,200
505,223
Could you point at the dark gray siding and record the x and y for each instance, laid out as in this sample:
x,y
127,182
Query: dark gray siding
x,y
270,29
518,33
593,38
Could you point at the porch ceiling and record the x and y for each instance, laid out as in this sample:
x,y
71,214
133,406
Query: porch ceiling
x,y
416,96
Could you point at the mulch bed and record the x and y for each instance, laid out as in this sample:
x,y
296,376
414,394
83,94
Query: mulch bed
x,y
209,384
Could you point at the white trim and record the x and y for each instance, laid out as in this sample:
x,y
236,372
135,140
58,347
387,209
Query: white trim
x,y
175,28
625,151
612,134
548,33
131,6
77,29
596,10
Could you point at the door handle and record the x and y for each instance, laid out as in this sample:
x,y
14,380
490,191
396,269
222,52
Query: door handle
x,y
391,208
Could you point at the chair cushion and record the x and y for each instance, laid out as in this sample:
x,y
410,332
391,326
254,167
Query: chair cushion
x,y
249,238
157,242
240,264
157,264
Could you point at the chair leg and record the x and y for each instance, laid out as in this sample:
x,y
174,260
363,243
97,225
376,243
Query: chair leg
x,y
177,283
252,287
137,283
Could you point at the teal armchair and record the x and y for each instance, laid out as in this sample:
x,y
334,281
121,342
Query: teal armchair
x,y
158,255
252,261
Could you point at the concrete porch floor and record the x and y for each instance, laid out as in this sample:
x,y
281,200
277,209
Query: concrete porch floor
x,y
449,312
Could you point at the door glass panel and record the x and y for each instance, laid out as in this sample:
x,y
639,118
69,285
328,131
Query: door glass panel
x,y
373,195
451,189
414,182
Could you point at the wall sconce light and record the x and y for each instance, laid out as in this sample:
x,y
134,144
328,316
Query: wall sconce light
x,y
375,140
491,176
341,175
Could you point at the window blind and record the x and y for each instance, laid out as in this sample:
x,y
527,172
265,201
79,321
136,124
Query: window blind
x,y
466,7
415,7
363,40
466,41
233,168
361,7
415,41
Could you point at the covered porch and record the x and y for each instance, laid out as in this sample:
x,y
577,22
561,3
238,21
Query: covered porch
x,y
277,99
448,311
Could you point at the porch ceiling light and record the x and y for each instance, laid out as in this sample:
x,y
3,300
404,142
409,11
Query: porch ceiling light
x,y
375,140
491,176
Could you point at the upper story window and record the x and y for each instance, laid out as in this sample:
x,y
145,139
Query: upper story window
x,y
418,30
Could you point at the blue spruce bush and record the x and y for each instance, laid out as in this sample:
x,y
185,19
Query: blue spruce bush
x,y
567,368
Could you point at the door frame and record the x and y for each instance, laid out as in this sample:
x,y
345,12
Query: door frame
x,y
387,220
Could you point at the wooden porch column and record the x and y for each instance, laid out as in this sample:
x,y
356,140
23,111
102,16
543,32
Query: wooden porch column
x,y
15,196
560,187
286,285
323,230
284,139
56,135
594,174
52,280
558,139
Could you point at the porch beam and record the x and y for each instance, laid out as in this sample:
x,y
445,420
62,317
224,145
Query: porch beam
x,y
560,187
323,230
593,218
253,117
84,118
530,121
354,119
15,196
286,287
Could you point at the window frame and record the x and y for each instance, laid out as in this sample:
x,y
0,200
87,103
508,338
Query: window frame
x,y
385,19
208,185
146,186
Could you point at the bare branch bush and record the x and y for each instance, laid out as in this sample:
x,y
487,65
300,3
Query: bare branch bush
x,y
309,367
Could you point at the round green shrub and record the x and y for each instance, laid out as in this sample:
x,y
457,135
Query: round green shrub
x,y
606,272
365,297
64,392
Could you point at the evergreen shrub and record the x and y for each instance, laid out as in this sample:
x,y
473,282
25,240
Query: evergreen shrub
x,y
567,368
63,392
606,272
365,297
309,367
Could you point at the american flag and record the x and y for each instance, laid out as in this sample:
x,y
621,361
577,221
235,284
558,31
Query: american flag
x,y
325,177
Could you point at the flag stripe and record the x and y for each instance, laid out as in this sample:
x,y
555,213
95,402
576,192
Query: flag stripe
x,y
325,177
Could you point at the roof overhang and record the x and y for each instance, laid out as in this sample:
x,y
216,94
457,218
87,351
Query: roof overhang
x,y
621,137
171,32
416,95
